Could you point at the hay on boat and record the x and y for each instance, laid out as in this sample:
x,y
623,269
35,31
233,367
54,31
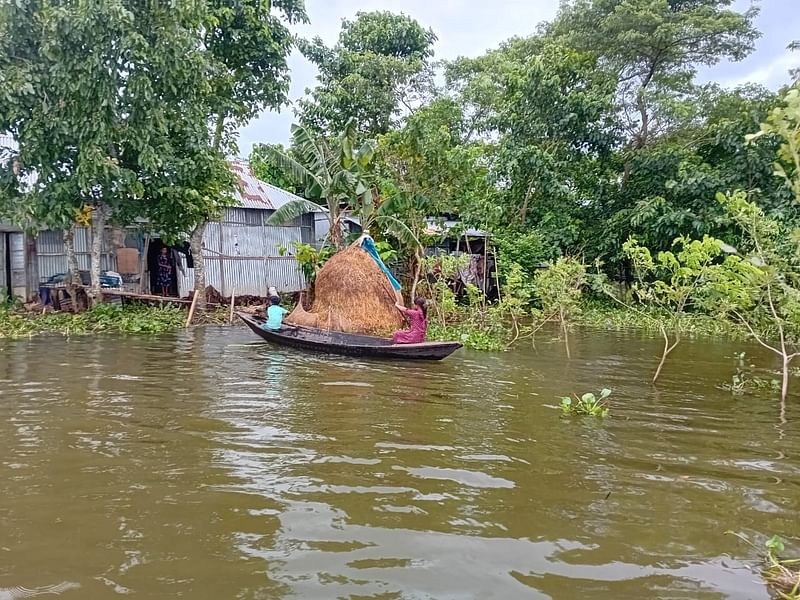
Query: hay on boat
x,y
351,294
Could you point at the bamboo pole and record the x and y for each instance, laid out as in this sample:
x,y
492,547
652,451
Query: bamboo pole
x,y
191,309
497,276
233,299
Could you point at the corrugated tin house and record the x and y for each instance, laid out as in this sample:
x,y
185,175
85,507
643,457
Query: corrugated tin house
x,y
242,253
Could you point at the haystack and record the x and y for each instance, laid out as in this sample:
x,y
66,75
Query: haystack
x,y
351,294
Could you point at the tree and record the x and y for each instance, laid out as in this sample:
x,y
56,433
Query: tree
x,y
762,289
759,289
672,182
95,95
334,173
548,107
378,67
248,43
431,158
673,282
654,47
267,170
428,169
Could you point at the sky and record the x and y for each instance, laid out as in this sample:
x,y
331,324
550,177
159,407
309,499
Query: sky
x,y
470,27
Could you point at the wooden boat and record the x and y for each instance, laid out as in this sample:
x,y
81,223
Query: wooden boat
x,y
350,344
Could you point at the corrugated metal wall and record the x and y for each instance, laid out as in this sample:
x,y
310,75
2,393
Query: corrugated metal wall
x,y
3,282
52,255
246,257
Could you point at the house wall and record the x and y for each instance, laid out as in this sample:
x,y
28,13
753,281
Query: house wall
x,y
52,254
3,268
243,255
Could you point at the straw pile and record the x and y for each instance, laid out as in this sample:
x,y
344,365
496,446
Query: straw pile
x,y
351,294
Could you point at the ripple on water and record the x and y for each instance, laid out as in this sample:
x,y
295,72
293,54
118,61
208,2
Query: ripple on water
x,y
205,466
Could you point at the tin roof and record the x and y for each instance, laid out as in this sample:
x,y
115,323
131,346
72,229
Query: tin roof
x,y
254,193
443,228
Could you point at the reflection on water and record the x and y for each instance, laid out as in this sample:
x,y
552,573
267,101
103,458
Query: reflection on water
x,y
209,466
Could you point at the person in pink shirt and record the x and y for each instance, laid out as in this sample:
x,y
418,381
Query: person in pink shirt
x,y
419,323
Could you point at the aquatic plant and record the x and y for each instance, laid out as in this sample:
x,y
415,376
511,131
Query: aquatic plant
x,y
781,574
104,317
587,404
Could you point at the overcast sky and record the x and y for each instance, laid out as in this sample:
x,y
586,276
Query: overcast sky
x,y
470,27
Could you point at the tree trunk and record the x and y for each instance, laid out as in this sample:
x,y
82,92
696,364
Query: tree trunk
x,y
785,383
73,280
196,245
98,226
667,349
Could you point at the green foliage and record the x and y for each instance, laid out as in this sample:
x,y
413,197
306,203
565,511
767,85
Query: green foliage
x,y
111,104
266,169
385,251
471,319
760,290
137,319
618,317
559,287
332,172
673,279
784,123
549,108
587,404
781,574
379,63
431,160
654,47
310,259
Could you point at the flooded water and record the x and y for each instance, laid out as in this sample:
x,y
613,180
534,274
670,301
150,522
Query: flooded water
x,y
204,465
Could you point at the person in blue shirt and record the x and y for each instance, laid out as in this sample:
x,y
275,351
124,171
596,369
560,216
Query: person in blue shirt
x,y
275,314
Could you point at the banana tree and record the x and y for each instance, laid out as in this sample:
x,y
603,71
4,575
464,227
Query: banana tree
x,y
334,173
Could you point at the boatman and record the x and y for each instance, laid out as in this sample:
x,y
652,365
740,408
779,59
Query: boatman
x,y
275,314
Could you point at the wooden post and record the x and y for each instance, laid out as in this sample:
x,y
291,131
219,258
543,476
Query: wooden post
x,y
497,277
143,265
191,309
233,299
485,265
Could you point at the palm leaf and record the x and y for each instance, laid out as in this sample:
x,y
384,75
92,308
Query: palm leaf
x,y
296,171
292,210
310,151
399,230
366,153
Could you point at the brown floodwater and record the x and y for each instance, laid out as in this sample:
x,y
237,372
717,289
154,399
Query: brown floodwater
x,y
206,465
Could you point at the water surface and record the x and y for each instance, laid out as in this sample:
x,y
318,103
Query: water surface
x,y
204,465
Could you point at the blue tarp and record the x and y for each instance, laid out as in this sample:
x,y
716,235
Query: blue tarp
x,y
368,245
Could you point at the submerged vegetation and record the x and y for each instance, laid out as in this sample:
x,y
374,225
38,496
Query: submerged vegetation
x,y
781,574
103,318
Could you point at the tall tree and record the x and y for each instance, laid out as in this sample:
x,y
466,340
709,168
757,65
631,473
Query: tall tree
x,y
248,43
655,48
378,68
95,94
546,110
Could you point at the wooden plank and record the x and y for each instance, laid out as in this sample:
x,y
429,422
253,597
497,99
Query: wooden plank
x,y
135,295
191,309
